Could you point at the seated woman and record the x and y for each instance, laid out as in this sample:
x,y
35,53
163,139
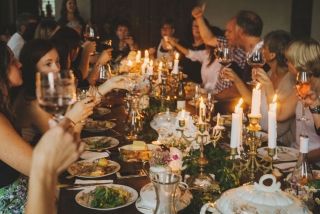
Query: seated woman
x,y
304,55
210,67
122,41
41,56
277,80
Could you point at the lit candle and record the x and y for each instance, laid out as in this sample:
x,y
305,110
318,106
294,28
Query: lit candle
x,y
146,56
129,63
218,119
238,110
138,56
175,69
160,66
235,130
272,123
150,68
202,111
256,101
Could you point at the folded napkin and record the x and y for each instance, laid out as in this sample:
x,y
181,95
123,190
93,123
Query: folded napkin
x,y
93,155
285,166
80,181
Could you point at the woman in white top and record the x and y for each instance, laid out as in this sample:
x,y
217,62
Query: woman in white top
x,y
210,67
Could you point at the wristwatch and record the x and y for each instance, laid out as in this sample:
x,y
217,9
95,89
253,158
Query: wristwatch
x,y
315,110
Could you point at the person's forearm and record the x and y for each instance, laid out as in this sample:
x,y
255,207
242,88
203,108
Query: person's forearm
x,y
84,64
105,88
41,192
227,93
181,49
244,91
316,119
206,34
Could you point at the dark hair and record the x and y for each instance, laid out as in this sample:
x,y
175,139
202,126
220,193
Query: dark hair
x,y
63,14
45,28
6,57
168,21
30,55
277,41
65,40
250,22
23,20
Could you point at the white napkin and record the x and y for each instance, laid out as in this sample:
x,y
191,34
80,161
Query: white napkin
x,y
285,166
93,155
80,181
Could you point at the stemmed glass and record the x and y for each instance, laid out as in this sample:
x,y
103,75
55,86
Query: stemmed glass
x,y
303,86
255,60
224,56
90,34
55,92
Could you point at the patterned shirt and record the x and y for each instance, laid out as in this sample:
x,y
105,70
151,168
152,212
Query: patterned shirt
x,y
239,57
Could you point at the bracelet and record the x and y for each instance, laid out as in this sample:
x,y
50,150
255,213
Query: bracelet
x,y
315,110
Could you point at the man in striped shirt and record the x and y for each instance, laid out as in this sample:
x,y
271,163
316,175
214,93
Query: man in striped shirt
x,y
243,33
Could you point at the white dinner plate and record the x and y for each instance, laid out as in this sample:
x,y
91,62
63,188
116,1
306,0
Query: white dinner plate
x,y
82,202
98,125
90,169
100,143
284,153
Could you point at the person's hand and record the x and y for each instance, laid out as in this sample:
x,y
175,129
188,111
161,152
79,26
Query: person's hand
x,y
261,76
57,149
310,99
81,110
104,57
197,12
172,41
228,73
120,82
89,47
130,42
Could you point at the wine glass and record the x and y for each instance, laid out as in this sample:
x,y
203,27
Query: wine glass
x,y
55,92
255,60
303,86
91,34
224,56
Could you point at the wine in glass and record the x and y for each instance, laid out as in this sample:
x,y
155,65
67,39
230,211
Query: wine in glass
x,y
56,91
303,87
256,60
224,56
91,34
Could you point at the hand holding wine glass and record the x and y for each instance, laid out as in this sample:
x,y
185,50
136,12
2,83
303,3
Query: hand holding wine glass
x,y
255,60
56,91
303,86
224,56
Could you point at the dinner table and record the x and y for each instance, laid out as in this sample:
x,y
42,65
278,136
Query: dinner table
x,y
116,102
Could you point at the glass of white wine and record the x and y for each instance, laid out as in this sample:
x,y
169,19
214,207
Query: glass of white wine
x,y
55,92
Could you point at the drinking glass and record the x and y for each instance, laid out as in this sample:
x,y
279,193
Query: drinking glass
x,y
90,34
255,60
224,56
303,86
55,92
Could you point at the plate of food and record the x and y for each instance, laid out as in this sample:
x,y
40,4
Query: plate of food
x,y
138,151
98,125
100,111
284,153
94,168
100,143
106,197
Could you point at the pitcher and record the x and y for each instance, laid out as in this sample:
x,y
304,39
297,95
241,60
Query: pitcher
x,y
165,186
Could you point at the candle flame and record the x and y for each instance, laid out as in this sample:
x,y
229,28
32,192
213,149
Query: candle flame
x,y
258,86
177,56
146,54
160,66
151,63
238,106
275,97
